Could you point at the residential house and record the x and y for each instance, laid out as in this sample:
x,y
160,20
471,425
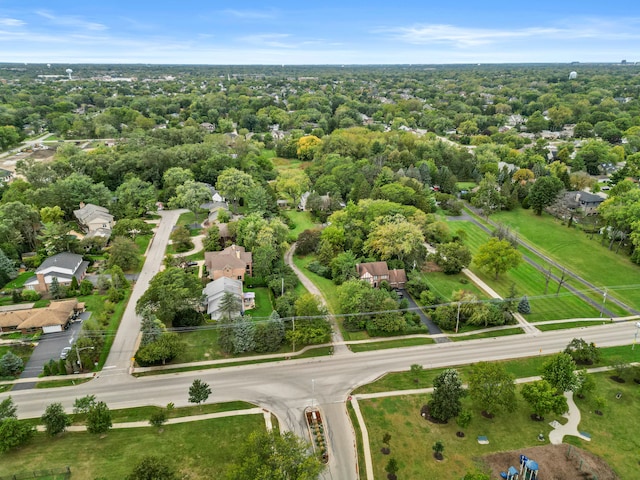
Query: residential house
x,y
5,176
63,266
376,272
232,262
96,221
215,291
53,318
585,202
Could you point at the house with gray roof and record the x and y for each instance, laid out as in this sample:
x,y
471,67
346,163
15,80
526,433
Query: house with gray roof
x,y
63,266
95,220
214,292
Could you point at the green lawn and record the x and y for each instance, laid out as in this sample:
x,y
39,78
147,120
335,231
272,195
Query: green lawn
x,y
95,304
325,285
574,249
412,437
519,368
264,308
18,282
404,342
188,218
302,221
445,285
201,450
614,437
496,333
565,325
529,281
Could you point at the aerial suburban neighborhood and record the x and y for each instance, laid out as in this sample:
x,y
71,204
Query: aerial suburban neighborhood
x,y
342,271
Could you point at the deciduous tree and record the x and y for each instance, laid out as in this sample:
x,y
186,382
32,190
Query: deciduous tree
x,y
447,395
55,419
492,388
543,398
559,371
277,457
497,256
199,392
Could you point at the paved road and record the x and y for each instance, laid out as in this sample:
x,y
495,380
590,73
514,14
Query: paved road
x,y
433,328
124,345
286,387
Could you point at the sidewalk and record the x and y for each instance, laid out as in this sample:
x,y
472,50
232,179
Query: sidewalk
x,y
173,421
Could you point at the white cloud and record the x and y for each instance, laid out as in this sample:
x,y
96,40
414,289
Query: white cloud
x,y
11,22
274,40
71,21
464,37
250,14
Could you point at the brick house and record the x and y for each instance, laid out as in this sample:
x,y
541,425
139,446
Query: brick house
x,y
376,272
232,262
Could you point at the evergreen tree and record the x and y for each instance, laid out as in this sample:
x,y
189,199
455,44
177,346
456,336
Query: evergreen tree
x,y
55,289
523,306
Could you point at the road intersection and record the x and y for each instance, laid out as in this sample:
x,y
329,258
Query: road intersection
x,y
287,387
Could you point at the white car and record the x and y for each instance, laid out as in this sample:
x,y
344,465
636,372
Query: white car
x,y
65,352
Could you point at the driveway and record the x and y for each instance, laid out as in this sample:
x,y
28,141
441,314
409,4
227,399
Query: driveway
x,y
49,347
433,328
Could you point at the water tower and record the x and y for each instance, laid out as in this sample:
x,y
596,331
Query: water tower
x,y
573,75
69,72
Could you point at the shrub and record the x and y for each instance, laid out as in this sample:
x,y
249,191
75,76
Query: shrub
x,y
30,296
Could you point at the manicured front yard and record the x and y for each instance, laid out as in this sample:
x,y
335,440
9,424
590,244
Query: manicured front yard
x,y
325,285
17,282
445,285
264,308
201,450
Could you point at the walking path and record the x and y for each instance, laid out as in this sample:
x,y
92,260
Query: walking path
x,y
526,326
190,418
336,335
569,428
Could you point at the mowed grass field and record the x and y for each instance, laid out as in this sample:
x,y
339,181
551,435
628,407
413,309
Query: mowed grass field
x,y
302,221
200,450
614,437
573,248
412,437
528,281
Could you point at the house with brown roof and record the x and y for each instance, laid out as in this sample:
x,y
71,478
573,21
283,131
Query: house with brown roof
x,y
53,318
232,262
376,272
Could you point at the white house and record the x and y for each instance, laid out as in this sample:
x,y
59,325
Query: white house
x,y
63,266
214,292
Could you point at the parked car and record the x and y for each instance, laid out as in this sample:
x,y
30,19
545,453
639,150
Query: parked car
x,y
65,352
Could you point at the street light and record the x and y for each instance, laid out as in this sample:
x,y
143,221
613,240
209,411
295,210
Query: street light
x,y
635,337
78,350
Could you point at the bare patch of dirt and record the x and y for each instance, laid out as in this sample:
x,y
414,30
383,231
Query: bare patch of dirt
x,y
553,463
431,267
43,154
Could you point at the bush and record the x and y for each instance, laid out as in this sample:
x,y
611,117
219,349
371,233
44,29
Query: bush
x,y
30,296
523,306
10,365
319,269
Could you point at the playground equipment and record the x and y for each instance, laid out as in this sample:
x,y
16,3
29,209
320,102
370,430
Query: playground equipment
x,y
528,468
511,474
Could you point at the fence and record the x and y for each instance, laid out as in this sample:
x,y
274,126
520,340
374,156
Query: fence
x,y
48,474
582,465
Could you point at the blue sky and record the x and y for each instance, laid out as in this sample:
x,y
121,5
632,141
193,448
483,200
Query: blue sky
x,y
328,32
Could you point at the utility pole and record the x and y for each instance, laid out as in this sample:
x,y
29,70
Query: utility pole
x,y
604,300
458,318
293,322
